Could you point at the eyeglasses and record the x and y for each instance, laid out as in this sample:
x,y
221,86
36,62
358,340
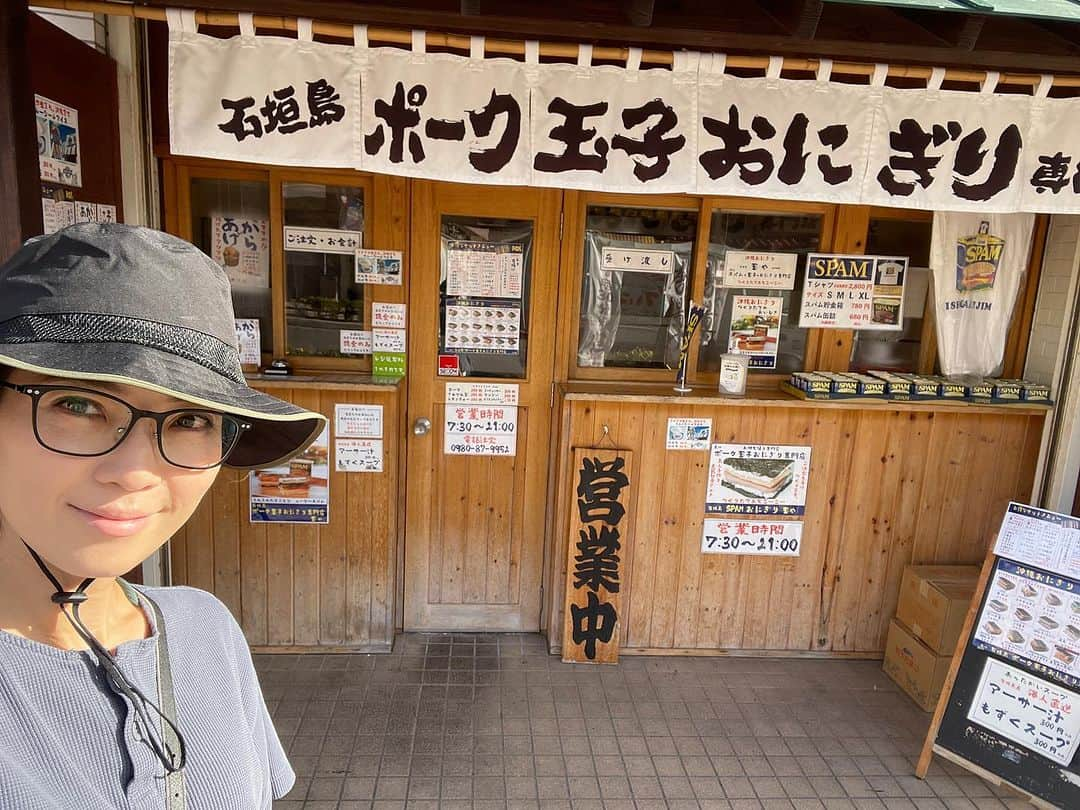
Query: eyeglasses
x,y
86,422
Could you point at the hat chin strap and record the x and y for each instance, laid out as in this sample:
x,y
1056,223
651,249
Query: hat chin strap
x,y
173,760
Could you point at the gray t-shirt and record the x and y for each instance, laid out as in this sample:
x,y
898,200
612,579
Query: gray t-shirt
x,y
68,739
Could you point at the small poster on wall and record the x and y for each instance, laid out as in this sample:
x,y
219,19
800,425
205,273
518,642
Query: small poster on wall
x,y
685,433
358,421
358,455
854,292
322,240
480,430
295,492
740,536
755,328
242,247
249,341
58,142
378,267
757,479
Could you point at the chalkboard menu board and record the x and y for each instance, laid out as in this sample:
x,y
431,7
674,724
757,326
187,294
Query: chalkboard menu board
x,y
1010,709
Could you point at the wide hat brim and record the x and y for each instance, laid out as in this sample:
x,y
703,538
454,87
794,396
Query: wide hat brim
x,y
279,430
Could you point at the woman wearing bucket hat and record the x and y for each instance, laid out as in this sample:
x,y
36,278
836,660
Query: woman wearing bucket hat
x,y
121,398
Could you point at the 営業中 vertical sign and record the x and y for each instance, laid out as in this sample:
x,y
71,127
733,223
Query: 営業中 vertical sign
x,y
598,526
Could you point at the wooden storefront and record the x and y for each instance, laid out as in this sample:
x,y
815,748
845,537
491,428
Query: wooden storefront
x,y
440,542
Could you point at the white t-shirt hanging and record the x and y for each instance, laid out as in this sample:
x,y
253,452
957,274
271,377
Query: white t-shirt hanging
x,y
978,261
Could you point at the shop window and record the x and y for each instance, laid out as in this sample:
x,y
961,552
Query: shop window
x,y
754,268
230,221
634,286
484,290
323,226
899,350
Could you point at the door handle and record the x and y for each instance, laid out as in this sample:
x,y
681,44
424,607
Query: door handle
x,y
421,426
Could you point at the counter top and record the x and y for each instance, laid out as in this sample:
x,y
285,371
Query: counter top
x,y
338,381
772,398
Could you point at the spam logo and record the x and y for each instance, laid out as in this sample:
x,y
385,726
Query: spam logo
x,y
856,268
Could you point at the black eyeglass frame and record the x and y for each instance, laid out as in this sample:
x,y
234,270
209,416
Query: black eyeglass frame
x,y
35,392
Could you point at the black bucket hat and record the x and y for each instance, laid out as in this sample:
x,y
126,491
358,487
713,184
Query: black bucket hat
x,y
124,304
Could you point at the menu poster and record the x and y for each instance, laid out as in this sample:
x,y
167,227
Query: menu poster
x,y
755,328
481,393
484,270
854,292
1032,617
378,267
242,247
297,491
1040,538
755,270
757,479
481,327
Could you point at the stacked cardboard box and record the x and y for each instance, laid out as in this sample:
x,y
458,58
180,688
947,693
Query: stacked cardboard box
x,y
934,601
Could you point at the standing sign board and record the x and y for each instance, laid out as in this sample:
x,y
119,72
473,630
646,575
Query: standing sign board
x,y
1010,707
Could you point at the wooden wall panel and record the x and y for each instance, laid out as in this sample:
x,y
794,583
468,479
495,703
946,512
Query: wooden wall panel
x,y
888,486
304,586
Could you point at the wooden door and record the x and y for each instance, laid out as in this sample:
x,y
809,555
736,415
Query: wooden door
x,y
475,523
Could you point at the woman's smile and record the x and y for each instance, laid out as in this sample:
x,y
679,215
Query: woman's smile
x,y
115,523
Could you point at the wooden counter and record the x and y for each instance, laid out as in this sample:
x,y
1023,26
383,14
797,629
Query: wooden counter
x,y
891,483
297,587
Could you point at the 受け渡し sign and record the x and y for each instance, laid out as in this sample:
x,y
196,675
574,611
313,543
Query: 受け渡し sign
x,y
691,129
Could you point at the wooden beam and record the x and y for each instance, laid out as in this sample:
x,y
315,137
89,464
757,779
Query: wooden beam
x,y
20,187
639,12
800,18
960,31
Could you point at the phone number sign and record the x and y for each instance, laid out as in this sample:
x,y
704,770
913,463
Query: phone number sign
x,y
774,538
480,431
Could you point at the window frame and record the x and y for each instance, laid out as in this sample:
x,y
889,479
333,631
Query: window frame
x,y
177,174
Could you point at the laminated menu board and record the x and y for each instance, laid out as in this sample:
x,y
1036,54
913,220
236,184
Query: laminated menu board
x,y
1010,707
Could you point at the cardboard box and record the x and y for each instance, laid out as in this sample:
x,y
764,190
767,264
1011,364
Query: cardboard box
x,y
934,600
914,667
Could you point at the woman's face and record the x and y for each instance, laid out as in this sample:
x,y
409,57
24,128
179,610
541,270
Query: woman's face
x,y
96,516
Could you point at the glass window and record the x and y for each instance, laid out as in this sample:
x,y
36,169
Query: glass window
x,y
484,289
752,331
323,227
898,350
230,221
634,286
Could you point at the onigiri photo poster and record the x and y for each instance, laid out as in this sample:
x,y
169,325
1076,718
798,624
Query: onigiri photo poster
x,y
757,479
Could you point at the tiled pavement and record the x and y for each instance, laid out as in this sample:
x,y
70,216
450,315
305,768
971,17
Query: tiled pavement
x,y
493,721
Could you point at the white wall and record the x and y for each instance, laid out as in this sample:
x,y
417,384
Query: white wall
x,y
83,25
1050,358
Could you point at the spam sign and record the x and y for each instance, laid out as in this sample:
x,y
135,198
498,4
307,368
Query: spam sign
x,y
853,292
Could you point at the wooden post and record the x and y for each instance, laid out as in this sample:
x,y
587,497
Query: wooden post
x,y
20,188
958,655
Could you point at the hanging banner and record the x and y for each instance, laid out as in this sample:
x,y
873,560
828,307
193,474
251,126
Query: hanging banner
x,y
602,481
946,150
688,129
292,102
1051,177
978,261
439,115
853,292
781,138
615,129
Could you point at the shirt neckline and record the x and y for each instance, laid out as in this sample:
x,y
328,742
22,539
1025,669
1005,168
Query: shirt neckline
x,y
125,650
